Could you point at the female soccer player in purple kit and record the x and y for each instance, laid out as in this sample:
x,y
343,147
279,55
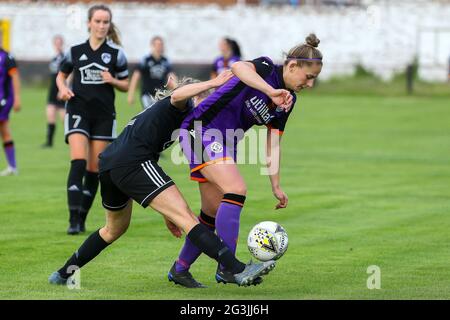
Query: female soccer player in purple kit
x,y
231,53
9,99
261,93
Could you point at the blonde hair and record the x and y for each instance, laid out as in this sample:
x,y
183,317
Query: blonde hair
x,y
164,93
113,32
306,53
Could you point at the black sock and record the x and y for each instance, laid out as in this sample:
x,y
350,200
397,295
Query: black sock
x,y
90,248
213,247
50,133
209,222
90,187
74,187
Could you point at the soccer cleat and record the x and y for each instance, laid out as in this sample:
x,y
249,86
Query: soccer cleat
x,y
74,228
184,278
223,276
46,146
9,171
253,271
55,278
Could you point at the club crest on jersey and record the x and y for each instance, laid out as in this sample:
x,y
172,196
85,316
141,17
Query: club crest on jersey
x,y
92,73
106,57
216,147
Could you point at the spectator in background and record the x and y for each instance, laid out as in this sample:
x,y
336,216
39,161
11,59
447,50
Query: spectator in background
x,y
9,99
54,105
231,52
155,71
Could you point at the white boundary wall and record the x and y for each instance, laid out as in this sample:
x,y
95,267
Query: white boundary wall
x,y
384,37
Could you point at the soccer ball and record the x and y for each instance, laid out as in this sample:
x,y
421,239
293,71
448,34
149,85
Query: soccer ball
x,y
267,241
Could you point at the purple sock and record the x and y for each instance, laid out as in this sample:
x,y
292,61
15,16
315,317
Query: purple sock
x,y
227,219
189,253
10,153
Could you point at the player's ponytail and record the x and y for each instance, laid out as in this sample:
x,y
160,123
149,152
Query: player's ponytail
x,y
113,34
306,53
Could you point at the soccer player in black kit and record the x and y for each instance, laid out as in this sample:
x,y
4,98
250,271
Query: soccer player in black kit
x,y
129,171
55,106
98,66
154,71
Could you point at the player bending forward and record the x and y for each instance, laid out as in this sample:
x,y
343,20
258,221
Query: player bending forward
x,y
129,171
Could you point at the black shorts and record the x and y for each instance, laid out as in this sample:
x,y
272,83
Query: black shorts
x,y
95,128
53,98
142,183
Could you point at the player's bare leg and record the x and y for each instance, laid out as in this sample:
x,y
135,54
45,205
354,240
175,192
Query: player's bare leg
x,y
116,225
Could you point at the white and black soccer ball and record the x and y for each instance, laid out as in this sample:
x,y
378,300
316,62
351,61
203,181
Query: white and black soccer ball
x,y
267,241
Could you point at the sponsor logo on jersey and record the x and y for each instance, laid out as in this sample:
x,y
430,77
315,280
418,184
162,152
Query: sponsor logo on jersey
x,y
265,62
106,57
157,71
216,147
259,109
83,57
92,73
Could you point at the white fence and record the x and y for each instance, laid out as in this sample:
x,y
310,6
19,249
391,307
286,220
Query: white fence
x,y
383,37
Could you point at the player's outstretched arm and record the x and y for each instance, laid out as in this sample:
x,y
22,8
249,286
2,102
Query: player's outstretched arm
x,y
180,96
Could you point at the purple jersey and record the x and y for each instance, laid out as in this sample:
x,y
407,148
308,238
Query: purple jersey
x,y
221,64
7,67
238,106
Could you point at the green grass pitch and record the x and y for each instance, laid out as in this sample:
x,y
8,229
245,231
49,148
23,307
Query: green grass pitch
x,y
368,180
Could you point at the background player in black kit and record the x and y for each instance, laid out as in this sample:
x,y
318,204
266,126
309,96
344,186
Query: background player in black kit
x,y
129,171
154,71
55,106
99,65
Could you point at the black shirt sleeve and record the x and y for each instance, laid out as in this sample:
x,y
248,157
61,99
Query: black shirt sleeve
x,y
141,65
66,65
121,67
280,123
264,66
10,62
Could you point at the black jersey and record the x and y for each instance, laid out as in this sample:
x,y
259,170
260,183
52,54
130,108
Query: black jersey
x,y
145,136
53,90
88,86
54,64
154,73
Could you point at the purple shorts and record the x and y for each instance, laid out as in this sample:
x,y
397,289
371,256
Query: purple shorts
x,y
6,109
205,151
